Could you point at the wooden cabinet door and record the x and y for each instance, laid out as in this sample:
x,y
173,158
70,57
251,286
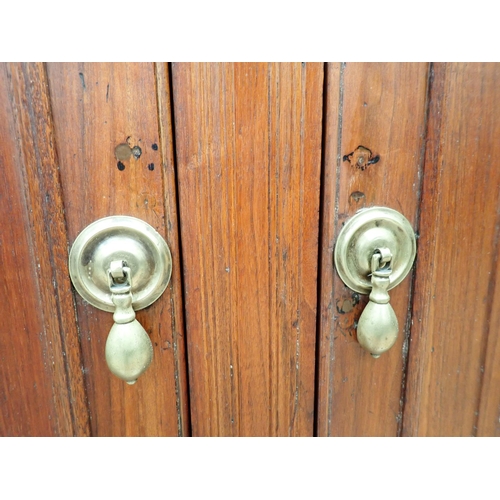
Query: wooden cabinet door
x,y
244,169
436,129
62,123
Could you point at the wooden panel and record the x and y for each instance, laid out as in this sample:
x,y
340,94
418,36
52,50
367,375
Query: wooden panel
x,y
248,142
41,384
455,292
97,107
381,107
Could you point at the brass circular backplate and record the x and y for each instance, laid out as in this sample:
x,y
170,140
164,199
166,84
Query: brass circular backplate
x,y
362,234
120,238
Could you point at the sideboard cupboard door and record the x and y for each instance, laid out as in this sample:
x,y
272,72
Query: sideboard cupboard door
x,y
100,110
380,108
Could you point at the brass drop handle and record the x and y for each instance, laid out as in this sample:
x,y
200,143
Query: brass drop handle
x,y
129,350
378,324
121,264
374,252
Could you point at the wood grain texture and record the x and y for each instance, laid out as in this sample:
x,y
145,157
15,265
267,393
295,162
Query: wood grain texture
x,y
97,107
381,107
248,140
41,383
489,402
454,340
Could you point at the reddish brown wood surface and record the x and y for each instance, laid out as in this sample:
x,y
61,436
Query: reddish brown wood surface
x,y
488,422
454,355
248,150
381,107
248,140
41,384
97,107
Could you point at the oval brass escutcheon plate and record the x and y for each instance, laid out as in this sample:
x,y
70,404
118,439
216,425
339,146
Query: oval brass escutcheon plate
x,y
123,238
362,234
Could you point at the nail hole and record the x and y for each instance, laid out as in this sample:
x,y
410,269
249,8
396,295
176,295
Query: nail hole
x,y
137,152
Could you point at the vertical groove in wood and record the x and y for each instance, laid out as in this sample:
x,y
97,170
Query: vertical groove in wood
x,y
456,263
248,143
409,315
165,132
326,80
332,133
45,230
97,107
382,108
